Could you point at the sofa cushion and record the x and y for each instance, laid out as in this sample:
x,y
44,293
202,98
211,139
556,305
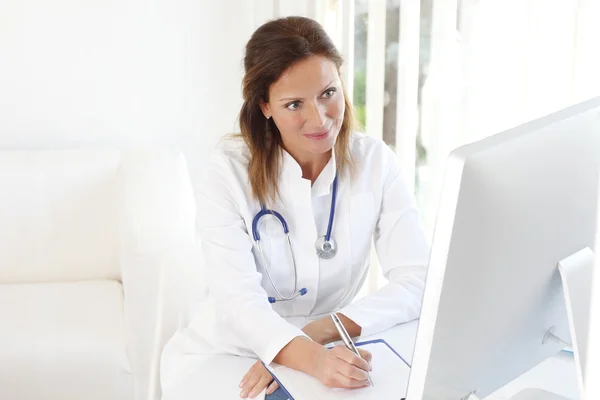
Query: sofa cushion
x,y
65,340
59,215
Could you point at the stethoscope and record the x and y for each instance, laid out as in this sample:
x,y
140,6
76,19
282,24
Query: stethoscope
x,y
325,245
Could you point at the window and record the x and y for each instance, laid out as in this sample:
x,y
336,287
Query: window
x,y
431,75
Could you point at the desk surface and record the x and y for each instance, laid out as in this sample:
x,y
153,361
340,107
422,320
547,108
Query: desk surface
x,y
204,377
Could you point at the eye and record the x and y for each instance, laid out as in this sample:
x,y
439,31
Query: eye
x,y
294,105
329,93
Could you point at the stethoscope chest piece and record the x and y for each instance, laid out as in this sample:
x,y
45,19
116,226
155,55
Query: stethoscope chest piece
x,y
326,249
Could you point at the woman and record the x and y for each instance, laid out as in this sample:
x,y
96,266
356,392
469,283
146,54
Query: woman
x,y
335,189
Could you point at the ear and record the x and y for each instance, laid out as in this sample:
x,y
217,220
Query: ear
x,y
266,109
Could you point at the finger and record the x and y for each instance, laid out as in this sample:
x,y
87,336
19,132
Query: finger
x,y
260,385
365,355
253,370
252,380
349,371
245,378
353,372
346,355
272,387
349,383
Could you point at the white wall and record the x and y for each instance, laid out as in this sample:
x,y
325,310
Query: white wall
x,y
121,72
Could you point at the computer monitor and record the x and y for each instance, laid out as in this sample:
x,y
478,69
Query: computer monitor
x,y
513,206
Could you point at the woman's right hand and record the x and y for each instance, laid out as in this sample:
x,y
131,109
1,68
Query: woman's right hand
x,y
340,368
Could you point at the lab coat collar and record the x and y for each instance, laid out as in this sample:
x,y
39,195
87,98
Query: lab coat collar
x,y
323,184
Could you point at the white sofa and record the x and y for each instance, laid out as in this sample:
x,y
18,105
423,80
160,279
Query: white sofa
x,y
84,236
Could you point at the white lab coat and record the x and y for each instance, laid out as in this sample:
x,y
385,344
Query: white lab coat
x,y
236,317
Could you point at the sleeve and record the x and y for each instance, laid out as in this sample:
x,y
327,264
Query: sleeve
x,y
243,312
403,252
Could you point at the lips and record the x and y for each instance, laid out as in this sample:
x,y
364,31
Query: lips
x,y
318,135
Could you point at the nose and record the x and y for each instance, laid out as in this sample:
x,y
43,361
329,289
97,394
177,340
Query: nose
x,y
317,115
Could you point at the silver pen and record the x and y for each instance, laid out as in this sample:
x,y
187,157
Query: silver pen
x,y
346,339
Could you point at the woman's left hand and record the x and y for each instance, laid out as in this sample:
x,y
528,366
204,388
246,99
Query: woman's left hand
x,y
320,330
323,330
255,380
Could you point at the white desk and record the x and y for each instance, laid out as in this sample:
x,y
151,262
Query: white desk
x,y
217,377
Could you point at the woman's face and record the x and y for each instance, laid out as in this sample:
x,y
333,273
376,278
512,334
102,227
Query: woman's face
x,y
307,105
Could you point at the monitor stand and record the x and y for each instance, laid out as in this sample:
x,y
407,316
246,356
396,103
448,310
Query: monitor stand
x,y
576,273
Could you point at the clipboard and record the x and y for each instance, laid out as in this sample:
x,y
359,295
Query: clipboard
x,y
390,378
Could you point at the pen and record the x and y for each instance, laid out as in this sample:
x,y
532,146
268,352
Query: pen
x,y
346,338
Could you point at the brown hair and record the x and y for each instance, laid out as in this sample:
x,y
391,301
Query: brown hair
x,y
272,49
